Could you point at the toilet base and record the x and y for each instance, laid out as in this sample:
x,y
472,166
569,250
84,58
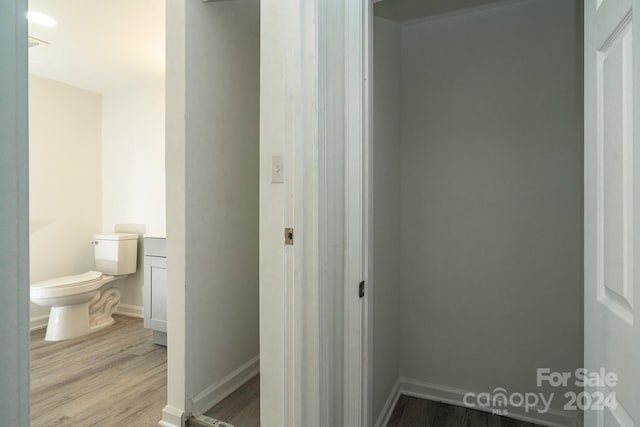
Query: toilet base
x,y
76,320
67,322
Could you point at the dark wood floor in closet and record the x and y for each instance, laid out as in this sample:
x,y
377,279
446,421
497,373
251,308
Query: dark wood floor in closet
x,y
241,408
414,412
114,377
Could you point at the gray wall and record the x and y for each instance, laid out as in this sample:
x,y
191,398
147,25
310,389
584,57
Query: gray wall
x,y
14,216
222,149
386,210
492,197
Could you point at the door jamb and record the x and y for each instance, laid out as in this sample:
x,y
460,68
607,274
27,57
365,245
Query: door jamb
x,y
358,234
308,120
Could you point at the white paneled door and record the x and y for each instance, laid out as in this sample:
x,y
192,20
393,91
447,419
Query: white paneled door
x,y
612,212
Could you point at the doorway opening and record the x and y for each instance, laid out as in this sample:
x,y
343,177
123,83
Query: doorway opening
x,y
213,211
477,205
96,168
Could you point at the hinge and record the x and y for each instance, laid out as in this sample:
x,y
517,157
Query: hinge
x,y
361,289
288,236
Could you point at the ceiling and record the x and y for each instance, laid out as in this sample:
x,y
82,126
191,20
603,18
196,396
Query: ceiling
x,y
100,45
402,10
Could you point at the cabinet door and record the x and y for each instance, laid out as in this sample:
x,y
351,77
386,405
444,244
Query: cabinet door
x,y
155,295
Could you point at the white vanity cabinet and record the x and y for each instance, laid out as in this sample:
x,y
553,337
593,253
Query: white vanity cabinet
x,y
155,288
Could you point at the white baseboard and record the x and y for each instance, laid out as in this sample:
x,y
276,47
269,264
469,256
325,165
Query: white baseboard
x,y
217,391
131,310
172,417
389,405
39,322
454,396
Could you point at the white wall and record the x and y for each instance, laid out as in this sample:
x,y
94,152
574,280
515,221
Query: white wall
x,y
386,207
222,154
65,180
133,158
491,208
173,413
96,164
133,172
273,126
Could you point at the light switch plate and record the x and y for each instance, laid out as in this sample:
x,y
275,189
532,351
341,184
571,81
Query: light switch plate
x,y
277,169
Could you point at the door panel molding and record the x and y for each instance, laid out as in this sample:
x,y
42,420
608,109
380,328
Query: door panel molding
x,y
615,171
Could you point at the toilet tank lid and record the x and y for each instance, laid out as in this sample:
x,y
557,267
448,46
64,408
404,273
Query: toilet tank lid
x,y
116,236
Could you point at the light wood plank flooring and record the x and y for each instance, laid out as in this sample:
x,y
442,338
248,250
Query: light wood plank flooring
x,y
114,377
414,412
242,407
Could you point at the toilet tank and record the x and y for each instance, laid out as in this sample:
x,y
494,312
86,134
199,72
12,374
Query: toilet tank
x,y
116,254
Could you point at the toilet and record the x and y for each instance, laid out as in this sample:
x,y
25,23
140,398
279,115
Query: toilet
x,y
85,303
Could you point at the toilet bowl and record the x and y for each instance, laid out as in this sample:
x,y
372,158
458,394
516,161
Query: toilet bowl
x,y
85,303
79,304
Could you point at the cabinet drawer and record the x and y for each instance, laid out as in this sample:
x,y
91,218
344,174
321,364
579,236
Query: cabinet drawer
x,y
155,247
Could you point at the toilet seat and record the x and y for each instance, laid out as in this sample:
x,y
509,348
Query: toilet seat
x,y
69,285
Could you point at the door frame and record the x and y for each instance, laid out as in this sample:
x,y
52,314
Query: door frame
x,y
358,207
328,198
344,65
14,214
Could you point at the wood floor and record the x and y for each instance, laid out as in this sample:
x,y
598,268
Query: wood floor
x,y
414,412
241,408
114,377
118,377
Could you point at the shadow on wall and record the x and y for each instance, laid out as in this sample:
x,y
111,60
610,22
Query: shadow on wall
x,y
38,224
131,287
